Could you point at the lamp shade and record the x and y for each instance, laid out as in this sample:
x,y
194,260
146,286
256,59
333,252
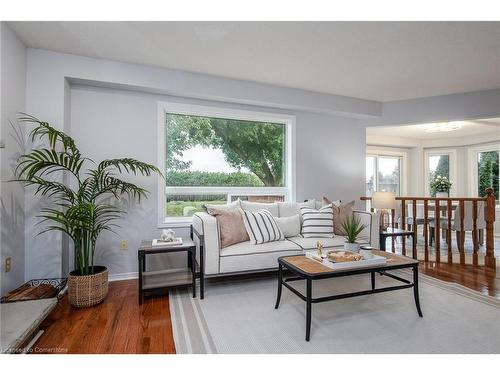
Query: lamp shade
x,y
384,200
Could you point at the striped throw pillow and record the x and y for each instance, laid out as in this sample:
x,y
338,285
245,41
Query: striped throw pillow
x,y
261,226
317,223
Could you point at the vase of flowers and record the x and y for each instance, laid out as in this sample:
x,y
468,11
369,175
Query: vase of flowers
x,y
440,186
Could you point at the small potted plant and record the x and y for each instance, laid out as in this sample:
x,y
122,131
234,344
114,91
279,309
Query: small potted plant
x,y
352,227
440,186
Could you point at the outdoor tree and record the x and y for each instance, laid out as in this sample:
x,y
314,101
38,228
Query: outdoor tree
x,y
442,169
488,172
245,144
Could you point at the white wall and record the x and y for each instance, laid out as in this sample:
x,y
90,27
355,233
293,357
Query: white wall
x,y
110,119
12,98
116,113
108,123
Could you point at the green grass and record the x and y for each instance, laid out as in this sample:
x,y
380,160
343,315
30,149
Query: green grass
x,y
176,208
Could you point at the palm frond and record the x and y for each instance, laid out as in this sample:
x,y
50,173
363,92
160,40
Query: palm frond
x,y
50,188
129,165
47,161
43,129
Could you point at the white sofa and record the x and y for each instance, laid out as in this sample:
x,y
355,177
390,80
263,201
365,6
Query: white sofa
x,y
245,257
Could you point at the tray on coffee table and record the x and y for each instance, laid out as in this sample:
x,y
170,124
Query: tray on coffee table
x,y
369,259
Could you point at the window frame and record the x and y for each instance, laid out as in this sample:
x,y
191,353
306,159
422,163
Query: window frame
x,y
391,153
452,154
230,113
472,156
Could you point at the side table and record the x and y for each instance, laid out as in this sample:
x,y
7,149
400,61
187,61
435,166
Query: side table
x,y
155,280
396,232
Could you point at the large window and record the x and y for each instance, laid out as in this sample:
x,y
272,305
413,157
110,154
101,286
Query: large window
x,y
440,162
215,156
439,166
383,173
487,172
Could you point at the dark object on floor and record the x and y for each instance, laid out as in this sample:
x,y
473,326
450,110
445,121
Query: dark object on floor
x,y
35,289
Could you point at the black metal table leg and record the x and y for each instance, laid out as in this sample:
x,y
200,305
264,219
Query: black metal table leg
x,y
202,272
141,269
308,308
382,239
373,280
192,256
280,285
415,290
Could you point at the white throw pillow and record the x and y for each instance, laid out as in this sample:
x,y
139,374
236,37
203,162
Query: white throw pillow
x,y
317,223
293,208
257,206
261,227
290,225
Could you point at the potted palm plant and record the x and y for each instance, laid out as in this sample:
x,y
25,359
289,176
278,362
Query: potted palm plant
x,y
83,205
352,227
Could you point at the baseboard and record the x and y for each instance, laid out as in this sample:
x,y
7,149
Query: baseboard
x,y
123,276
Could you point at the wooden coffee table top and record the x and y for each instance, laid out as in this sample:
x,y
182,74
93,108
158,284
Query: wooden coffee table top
x,y
312,267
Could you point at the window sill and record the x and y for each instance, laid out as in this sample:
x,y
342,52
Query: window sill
x,y
176,223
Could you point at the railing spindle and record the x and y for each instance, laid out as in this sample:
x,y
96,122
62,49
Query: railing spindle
x,y
426,230
475,240
462,233
437,233
393,224
414,243
403,226
449,239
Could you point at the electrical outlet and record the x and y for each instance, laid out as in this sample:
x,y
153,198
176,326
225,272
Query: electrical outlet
x,y
8,264
123,245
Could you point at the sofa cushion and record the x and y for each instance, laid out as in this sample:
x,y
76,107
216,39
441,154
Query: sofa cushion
x,y
293,208
261,226
290,226
326,201
340,213
257,206
317,223
231,227
227,206
247,248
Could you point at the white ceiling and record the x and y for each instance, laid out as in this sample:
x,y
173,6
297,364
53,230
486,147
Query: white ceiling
x,y
371,60
417,132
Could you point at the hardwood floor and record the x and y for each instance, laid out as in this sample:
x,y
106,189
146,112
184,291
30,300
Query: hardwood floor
x,y
120,325
481,279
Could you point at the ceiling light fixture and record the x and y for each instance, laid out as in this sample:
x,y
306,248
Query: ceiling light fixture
x,y
442,127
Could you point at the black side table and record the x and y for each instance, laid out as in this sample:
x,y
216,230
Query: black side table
x,y
155,280
396,232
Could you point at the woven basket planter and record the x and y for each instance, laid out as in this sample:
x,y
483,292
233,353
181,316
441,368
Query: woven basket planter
x,y
86,291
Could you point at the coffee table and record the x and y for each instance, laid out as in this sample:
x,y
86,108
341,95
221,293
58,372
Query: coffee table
x,y
307,269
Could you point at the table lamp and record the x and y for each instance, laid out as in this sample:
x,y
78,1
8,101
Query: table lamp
x,y
384,201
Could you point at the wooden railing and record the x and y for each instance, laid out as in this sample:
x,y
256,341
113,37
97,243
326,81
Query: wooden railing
x,y
445,210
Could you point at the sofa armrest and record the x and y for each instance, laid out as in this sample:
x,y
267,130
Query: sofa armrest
x,y
207,226
371,232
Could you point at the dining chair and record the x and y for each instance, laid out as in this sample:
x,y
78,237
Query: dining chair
x,y
467,227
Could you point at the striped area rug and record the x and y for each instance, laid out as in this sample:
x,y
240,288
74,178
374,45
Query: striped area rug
x,y
238,316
